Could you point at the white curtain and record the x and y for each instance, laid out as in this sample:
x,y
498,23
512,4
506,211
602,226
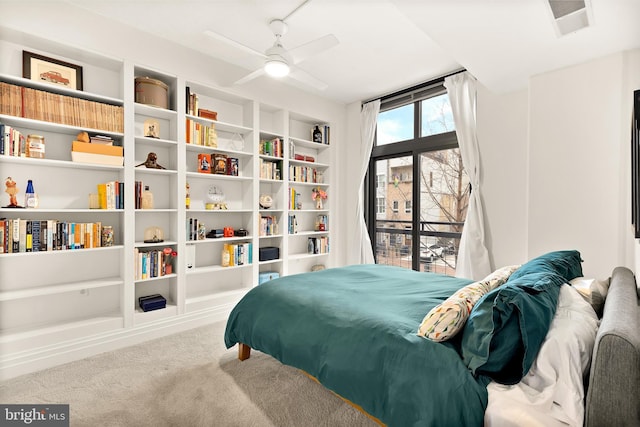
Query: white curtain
x,y
473,256
363,253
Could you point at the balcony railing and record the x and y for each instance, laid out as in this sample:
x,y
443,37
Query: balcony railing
x,y
438,248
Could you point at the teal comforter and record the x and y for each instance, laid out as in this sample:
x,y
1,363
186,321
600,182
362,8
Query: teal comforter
x,y
354,329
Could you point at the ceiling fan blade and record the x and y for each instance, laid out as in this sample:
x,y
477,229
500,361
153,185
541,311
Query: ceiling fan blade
x,y
233,43
307,79
314,47
250,76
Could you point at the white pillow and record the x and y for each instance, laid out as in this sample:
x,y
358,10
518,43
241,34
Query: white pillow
x,y
594,291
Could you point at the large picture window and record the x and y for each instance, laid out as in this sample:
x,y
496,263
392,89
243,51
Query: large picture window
x,y
415,163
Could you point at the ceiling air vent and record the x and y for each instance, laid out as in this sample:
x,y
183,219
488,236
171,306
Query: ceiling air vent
x,y
570,16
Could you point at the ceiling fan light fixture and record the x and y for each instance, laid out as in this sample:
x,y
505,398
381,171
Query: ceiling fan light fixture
x,y
276,67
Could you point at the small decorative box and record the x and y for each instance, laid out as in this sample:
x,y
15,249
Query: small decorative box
x,y
265,276
152,302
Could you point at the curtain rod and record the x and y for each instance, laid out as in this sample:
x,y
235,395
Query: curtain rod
x,y
415,87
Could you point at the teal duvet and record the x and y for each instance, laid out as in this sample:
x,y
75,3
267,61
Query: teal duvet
x,y
354,329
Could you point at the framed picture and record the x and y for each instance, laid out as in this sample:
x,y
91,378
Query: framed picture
x,y
43,69
151,128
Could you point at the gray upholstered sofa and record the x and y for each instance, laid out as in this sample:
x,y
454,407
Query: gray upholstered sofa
x,y
613,395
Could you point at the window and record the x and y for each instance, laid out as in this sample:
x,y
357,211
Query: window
x,y
417,148
392,127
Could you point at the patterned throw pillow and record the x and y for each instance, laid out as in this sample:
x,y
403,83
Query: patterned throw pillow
x,y
445,320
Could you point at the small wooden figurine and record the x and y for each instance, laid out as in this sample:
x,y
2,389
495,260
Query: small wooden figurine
x,y
151,162
12,191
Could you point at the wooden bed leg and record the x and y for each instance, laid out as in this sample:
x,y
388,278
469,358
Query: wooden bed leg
x,y
244,351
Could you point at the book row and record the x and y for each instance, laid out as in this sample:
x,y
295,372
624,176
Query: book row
x,y
268,225
303,174
20,101
318,245
237,254
271,147
270,169
193,106
110,195
295,199
200,134
293,224
150,263
23,235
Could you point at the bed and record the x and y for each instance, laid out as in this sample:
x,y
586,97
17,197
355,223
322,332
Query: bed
x,y
354,329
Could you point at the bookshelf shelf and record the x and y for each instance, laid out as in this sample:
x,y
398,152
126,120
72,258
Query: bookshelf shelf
x,y
155,245
197,175
301,256
151,111
222,126
309,233
309,144
154,142
21,81
39,125
57,289
153,279
215,268
29,162
171,310
61,253
55,332
309,184
228,152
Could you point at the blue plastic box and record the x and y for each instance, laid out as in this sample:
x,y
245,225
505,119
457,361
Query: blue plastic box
x,y
265,276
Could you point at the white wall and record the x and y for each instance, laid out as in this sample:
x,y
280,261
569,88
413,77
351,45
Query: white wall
x,y
560,151
502,138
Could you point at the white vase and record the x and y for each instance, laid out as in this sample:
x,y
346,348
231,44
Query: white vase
x,y
318,203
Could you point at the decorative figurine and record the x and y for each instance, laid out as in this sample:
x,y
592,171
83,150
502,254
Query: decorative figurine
x,y
12,191
151,128
151,162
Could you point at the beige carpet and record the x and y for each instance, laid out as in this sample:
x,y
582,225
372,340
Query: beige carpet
x,y
187,379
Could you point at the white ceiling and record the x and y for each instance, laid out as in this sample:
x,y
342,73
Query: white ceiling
x,y
387,45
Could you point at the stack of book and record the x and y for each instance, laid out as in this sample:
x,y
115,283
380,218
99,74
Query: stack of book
x,y
99,154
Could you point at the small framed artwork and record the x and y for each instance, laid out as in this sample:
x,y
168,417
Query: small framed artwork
x,y
151,128
204,163
220,164
48,70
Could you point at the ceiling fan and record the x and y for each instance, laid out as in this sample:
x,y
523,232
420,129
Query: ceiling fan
x,y
278,61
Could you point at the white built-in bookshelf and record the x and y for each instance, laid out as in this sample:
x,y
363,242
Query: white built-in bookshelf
x,y
82,301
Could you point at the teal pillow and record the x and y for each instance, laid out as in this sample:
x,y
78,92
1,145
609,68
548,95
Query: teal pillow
x,y
507,326
567,264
